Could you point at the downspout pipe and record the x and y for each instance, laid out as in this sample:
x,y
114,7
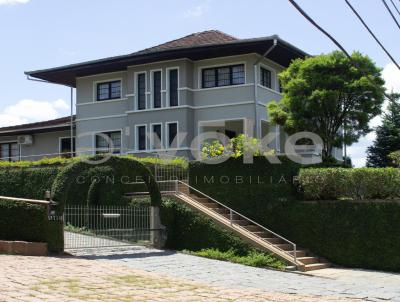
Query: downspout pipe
x,y
29,78
256,124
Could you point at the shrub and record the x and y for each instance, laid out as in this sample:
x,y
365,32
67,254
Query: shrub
x,y
27,182
352,234
339,183
21,221
395,157
252,258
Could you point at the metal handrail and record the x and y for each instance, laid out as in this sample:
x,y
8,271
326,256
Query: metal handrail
x,y
231,211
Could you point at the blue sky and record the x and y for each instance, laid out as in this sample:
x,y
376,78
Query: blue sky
x,y
37,34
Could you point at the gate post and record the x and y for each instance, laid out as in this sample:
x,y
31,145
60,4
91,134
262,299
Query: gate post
x,y
157,230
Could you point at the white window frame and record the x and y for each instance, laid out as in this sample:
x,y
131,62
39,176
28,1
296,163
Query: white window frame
x,y
102,131
152,136
200,74
13,142
152,87
167,70
136,148
136,76
178,143
95,83
65,137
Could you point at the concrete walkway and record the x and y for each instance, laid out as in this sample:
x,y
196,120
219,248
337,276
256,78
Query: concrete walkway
x,y
344,284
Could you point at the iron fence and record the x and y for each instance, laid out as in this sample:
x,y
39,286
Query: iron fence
x,y
106,226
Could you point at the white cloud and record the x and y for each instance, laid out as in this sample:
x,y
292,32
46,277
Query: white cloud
x,y
357,152
30,111
198,10
13,2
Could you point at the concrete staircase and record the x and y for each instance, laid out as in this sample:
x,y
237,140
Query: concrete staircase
x,y
247,229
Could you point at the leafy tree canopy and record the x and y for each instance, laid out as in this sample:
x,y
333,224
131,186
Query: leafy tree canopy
x,y
382,152
326,94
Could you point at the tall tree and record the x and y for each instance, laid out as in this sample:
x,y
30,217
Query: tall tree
x,y
326,94
387,136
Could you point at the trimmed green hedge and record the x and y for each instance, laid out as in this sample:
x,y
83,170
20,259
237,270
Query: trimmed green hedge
x,y
339,183
352,234
21,221
248,188
27,182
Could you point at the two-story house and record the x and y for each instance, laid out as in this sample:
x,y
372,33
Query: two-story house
x,y
162,97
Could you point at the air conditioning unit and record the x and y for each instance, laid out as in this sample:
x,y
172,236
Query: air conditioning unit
x,y
25,140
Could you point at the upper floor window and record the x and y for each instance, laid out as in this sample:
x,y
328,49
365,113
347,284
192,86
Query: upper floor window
x,y
9,152
223,76
108,142
108,90
141,91
173,87
157,89
265,77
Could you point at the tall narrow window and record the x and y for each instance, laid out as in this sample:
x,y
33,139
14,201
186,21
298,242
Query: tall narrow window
x,y
265,77
156,139
172,129
65,147
157,89
173,87
141,137
141,91
109,91
108,142
9,152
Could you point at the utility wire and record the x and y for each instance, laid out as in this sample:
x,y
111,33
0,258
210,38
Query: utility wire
x,y
305,15
372,34
390,12
395,7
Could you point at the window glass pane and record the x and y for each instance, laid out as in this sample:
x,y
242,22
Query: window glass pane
x,y
103,91
156,137
65,148
208,78
103,144
5,151
238,75
266,77
157,89
14,152
116,90
141,138
224,76
173,87
141,91
172,132
116,141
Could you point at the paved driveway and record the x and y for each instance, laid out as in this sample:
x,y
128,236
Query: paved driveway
x,y
344,284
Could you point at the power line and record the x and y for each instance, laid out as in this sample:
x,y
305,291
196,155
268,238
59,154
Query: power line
x,y
390,12
372,34
395,7
305,15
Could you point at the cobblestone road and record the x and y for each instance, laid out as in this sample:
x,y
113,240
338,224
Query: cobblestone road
x,y
355,284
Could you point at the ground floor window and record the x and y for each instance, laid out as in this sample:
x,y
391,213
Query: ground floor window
x,y
65,147
141,137
9,152
108,142
172,132
156,138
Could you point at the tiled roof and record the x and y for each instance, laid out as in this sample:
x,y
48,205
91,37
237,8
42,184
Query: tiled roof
x,y
195,39
59,122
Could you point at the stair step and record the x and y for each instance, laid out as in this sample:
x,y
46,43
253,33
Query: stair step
x,y
300,253
202,200
240,222
253,228
262,234
221,211
234,216
308,260
211,205
285,246
315,266
274,240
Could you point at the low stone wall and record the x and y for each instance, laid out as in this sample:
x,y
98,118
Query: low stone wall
x,y
23,248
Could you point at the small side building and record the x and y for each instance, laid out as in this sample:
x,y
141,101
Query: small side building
x,y
34,141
